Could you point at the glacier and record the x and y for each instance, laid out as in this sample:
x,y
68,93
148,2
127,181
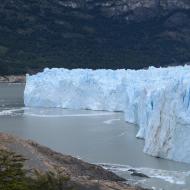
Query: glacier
x,y
155,99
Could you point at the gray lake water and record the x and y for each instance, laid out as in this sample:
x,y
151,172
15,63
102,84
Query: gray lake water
x,y
97,137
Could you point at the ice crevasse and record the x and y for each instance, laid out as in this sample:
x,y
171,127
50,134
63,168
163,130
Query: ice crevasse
x,y
156,99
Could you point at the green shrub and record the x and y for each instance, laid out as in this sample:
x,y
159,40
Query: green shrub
x,y
14,177
52,181
12,174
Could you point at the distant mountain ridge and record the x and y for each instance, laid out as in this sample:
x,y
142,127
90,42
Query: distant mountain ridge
x,y
92,34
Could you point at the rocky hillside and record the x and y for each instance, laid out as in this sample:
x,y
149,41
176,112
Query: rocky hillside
x,y
82,175
92,34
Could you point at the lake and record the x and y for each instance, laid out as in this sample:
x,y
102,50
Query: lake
x,y
95,136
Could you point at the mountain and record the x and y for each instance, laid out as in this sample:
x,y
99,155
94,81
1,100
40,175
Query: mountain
x,y
92,34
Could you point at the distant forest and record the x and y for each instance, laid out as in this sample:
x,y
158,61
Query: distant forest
x,y
37,34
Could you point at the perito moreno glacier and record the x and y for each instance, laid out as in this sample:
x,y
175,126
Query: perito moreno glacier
x,y
157,100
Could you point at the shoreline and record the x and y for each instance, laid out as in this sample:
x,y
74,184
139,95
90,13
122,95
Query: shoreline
x,y
83,175
13,79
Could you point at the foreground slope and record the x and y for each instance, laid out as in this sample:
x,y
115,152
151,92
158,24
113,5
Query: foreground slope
x,y
157,99
83,176
92,34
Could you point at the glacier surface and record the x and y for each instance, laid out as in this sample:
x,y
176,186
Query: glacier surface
x,y
156,99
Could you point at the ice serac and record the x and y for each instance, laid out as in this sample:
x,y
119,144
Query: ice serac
x,y
156,99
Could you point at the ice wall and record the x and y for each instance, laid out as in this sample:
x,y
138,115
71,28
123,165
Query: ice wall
x,y
157,100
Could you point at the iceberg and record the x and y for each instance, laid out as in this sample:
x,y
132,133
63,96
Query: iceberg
x,y
156,99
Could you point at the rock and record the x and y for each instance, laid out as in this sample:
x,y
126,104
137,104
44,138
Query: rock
x,y
82,175
137,174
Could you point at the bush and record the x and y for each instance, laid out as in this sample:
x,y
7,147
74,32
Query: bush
x,y
14,177
12,174
52,181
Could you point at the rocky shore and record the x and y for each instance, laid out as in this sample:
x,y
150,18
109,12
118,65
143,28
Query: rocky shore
x,y
13,79
83,176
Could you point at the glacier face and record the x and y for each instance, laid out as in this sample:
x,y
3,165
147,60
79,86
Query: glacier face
x,y
157,100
